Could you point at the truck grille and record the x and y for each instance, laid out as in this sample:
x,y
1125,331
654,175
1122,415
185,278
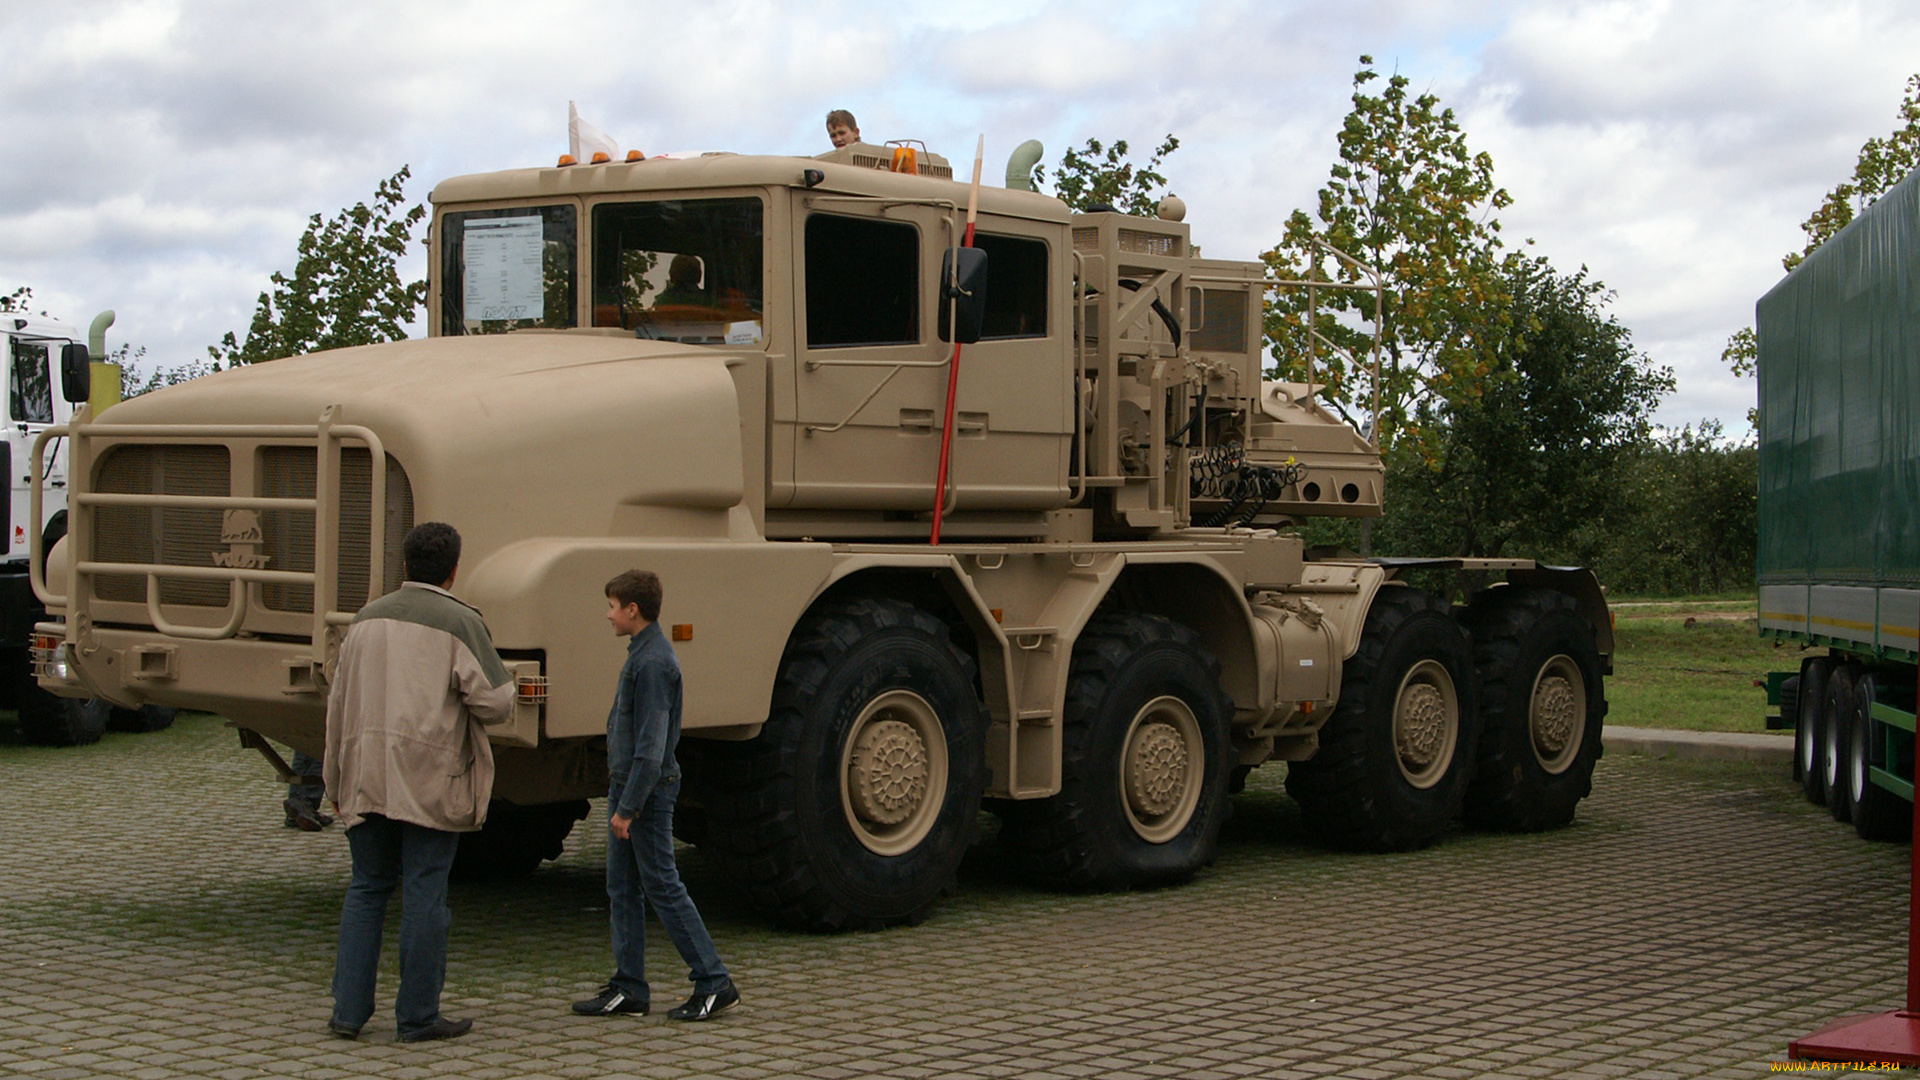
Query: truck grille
x,y
168,535
176,536
289,472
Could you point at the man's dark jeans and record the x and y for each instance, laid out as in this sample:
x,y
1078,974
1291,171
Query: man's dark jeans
x,y
640,869
416,859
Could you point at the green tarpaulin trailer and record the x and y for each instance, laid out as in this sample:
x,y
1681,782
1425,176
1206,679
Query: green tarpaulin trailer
x,y
1839,554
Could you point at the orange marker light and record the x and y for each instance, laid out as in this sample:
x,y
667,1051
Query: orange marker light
x,y
567,159
683,631
906,160
997,613
600,157
635,155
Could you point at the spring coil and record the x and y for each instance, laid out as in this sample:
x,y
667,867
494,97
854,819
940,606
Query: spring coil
x,y
1223,472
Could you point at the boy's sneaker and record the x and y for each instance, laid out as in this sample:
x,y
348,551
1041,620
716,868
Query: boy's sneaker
x,y
610,1001
702,1006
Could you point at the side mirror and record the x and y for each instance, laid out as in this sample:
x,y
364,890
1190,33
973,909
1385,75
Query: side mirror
x,y
76,373
963,294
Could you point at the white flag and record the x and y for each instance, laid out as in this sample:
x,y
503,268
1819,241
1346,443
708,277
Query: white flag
x,y
584,140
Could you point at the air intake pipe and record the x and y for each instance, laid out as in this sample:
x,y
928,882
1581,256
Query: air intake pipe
x,y
1020,165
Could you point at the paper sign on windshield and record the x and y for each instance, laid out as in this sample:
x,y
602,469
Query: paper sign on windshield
x,y
503,278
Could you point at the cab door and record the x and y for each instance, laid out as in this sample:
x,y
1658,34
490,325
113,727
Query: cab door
x,y
30,411
871,375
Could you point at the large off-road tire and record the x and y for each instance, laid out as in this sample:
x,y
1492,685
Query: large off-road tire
x,y
1833,726
516,839
57,721
1145,761
1397,753
1878,814
856,802
143,719
1809,734
1542,703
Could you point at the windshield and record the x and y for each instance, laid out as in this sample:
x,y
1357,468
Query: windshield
x,y
680,269
510,269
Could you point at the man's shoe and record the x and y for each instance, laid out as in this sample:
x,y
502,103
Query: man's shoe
x,y
702,1006
343,1030
305,818
442,1028
610,1001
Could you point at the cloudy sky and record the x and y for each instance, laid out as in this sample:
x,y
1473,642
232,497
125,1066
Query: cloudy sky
x,y
163,155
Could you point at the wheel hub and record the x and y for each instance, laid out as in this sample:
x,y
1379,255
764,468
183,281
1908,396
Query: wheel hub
x,y
1553,715
1156,770
1557,714
1426,723
893,772
1162,769
1422,725
888,779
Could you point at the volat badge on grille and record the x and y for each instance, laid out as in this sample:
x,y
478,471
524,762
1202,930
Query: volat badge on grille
x,y
240,531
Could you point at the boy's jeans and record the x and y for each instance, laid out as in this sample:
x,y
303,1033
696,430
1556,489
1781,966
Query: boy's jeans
x,y
640,869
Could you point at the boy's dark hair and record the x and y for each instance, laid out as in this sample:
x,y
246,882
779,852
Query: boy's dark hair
x,y
432,551
842,116
640,587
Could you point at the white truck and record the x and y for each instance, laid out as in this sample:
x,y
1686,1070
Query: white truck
x,y
39,351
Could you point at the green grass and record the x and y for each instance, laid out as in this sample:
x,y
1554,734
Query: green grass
x,y
1691,664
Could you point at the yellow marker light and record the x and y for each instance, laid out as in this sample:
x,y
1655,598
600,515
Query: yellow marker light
x,y
683,631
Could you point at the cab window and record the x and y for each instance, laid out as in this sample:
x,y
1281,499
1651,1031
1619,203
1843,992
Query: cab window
x,y
1016,286
30,389
510,269
863,282
681,269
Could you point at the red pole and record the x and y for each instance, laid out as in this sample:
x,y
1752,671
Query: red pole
x,y
953,367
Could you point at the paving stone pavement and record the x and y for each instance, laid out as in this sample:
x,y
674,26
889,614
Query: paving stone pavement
x,y
156,921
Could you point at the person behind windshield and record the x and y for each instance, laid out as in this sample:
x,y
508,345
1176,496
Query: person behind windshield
x,y
683,282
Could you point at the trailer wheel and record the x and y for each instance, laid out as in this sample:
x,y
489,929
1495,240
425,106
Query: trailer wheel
x,y
1396,755
1542,703
1145,760
1833,727
144,719
1809,734
516,839
1878,814
854,805
57,721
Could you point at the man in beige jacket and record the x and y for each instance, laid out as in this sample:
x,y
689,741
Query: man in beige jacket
x,y
409,770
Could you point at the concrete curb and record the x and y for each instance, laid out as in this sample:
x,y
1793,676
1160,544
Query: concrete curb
x,y
1760,749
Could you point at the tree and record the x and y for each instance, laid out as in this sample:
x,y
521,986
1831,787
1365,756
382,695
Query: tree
x,y
1882,163
345,288
1691,524
1099,174
1410,199
19,300
1536,454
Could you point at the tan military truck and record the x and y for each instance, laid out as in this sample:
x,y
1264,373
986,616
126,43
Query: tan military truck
x,y
733,370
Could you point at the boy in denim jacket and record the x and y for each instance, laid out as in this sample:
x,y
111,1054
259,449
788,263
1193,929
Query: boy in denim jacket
x,y
643,731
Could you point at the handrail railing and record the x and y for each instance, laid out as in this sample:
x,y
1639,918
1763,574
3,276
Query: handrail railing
x,y
328,439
